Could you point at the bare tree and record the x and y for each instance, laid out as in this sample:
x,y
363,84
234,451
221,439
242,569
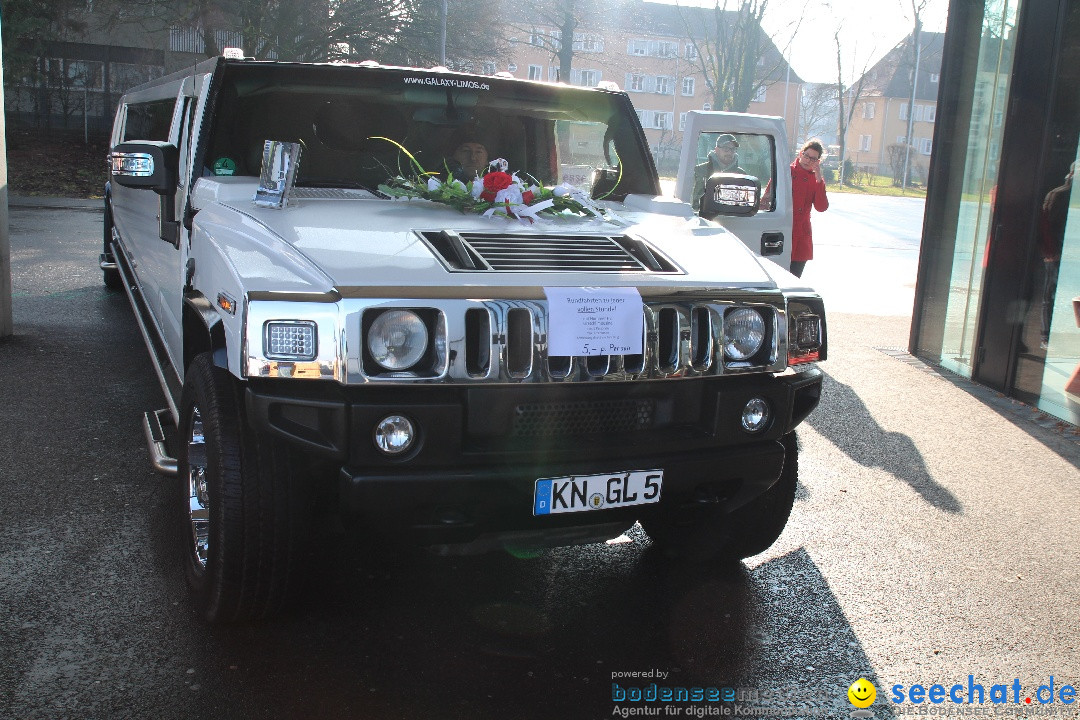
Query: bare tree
x,y
847,99
817,110
728,45
28,25
917,6
389,31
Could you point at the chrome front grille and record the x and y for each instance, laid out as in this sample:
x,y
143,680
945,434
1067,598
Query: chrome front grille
x,y
505,341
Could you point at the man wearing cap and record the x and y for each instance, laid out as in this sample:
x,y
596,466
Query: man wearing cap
x,y
470,158
724,157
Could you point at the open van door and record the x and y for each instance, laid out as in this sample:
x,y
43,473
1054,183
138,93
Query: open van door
x,y
763,152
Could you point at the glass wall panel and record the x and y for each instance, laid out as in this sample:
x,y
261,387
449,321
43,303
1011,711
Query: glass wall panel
x,y
990,95
1060,307
1049,338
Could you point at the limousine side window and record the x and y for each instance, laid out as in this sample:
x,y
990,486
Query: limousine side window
x,y
149,120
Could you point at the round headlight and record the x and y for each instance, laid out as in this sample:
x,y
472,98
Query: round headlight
x,y
744,331
397,339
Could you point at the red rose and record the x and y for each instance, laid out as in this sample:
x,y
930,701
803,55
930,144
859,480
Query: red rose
x,y
493,183
527,197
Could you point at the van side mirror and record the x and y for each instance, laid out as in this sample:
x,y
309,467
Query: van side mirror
x,y
731,194
149,164
153,165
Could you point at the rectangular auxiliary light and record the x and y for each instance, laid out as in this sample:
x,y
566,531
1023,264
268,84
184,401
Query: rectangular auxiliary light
x,y
289,340
809,332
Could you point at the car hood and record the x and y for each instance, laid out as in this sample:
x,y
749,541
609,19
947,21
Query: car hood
x,y
363,245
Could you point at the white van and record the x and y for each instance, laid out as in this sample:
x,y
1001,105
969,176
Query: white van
x,y
540,356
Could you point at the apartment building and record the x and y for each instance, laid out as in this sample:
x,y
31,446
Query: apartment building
x,y
877,135
649,54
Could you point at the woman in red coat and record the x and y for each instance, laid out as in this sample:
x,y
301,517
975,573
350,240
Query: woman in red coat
x,y
807,189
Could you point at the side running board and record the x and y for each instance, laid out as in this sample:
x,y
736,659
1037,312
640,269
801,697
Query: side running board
x,y
154,422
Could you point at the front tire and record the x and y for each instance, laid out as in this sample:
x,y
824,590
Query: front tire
x,y
746,531
243,515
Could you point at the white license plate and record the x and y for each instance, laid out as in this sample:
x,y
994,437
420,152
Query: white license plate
x,y
578,493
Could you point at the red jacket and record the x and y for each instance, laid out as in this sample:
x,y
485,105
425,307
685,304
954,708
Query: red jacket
x,y
806,191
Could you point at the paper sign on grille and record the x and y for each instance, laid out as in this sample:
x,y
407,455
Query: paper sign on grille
x,y
594,321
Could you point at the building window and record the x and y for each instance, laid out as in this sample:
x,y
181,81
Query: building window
x,y
512,67
864,143
589,78
656,120
653,48
78,74
536,72
682,121
665,85
585,42
934,77
636,83
759,94
667,49
691,52
931,113
688,87
125,75
536,38
903,111
489,68
901,139
868,111
707,107
926,145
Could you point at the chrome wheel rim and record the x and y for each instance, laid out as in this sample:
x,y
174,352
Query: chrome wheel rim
x,y
198,497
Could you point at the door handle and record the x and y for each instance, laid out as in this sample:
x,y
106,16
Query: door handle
x,y
772,243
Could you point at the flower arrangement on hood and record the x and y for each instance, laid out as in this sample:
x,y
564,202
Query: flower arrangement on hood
x,y
495,193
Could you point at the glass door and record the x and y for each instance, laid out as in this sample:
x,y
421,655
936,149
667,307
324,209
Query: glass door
x,y
989,97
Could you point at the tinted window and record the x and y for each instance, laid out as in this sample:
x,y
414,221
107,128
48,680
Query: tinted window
x,y
149,121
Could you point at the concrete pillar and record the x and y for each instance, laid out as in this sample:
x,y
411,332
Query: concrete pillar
x,y
6,327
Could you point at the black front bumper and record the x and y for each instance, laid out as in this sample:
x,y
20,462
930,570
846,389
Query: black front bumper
x,y
480,450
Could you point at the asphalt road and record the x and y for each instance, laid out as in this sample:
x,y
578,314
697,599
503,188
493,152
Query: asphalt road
x,y
866,253
934,537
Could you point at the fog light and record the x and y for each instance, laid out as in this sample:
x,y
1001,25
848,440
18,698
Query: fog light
x,y
394,434
755,416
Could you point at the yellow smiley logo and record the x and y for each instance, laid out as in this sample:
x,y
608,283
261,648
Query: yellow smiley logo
x,y
862,693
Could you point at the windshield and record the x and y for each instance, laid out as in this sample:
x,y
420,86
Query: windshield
x,y
359,126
